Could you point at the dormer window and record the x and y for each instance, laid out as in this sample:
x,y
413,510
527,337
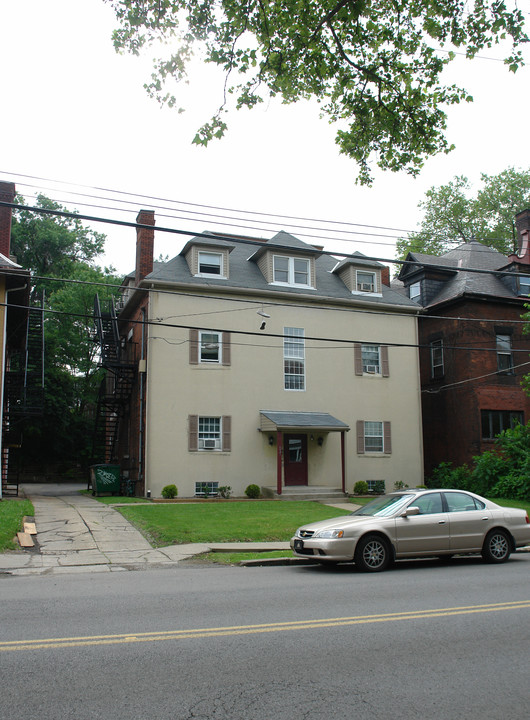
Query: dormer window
x,y
291,271
415,291
210,263
524,284
365,281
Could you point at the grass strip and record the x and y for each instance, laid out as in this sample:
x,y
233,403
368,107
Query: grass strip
x,y
256,521
12,511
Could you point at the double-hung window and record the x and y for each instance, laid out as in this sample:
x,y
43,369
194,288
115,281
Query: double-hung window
x,y
207,433
294,358
210,345
291,271
371,359
210,263
374,436
437,359
365,281
504,353
415,291
524,284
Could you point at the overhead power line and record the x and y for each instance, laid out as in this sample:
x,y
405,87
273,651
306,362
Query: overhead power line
x,y
239,239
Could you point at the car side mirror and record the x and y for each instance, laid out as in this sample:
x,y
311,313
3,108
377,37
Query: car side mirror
x,y
412,510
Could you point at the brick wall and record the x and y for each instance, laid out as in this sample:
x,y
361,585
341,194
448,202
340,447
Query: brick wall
x,y
452,415
7,194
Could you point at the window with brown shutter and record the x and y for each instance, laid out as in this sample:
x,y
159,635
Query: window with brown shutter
x,y
194,347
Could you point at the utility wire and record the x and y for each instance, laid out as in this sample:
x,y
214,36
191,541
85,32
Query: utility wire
x,y
247,241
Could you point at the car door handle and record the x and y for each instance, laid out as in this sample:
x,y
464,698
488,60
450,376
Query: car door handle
x,y
485,518
441,522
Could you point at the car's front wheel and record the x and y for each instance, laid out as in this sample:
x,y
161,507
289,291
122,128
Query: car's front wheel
x,y
372,553
497,546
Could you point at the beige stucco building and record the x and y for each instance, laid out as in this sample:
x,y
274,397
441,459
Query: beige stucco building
x,y
268,363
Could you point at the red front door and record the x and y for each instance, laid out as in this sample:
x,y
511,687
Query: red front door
x,y
295,462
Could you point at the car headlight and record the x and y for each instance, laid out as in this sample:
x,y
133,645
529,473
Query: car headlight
x,y
329,534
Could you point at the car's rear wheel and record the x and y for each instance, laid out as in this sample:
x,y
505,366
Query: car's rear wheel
x,y
497,546
372,553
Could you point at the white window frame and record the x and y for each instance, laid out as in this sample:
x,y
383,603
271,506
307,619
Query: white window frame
x,y
364,286
370,425
213,487
293,354
291,271
211,253
371,368
415,291
210,438
204,343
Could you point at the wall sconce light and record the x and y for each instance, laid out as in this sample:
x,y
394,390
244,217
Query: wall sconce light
x,y
271,440
311,437
320,441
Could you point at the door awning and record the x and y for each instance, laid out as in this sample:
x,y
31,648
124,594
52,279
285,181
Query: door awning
x,y
273,420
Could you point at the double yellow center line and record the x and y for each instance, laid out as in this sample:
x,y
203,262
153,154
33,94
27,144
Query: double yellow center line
x,y
46,643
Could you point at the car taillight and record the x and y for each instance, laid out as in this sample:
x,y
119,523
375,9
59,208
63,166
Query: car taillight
x,y
527,519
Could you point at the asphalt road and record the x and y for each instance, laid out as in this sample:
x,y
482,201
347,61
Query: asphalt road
x,y
424,640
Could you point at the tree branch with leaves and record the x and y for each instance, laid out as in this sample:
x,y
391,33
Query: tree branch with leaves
x,y
374,66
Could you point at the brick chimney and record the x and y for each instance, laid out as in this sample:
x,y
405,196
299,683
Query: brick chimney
x,y
145,238
385,275
7,194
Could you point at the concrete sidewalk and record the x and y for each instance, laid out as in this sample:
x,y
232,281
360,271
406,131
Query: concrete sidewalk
x,y
77,533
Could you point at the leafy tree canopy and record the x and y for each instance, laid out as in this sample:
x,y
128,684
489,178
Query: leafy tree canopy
x,y
50,244
62,253
453,215
374,66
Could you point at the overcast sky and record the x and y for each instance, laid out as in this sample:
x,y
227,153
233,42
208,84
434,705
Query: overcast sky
x,y
76,112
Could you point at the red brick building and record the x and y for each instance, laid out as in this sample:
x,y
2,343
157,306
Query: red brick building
x,y
474,352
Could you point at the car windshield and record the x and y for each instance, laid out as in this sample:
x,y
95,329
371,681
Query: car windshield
x,y
384,506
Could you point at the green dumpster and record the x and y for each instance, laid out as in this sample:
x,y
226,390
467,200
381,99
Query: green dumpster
x,y
105,479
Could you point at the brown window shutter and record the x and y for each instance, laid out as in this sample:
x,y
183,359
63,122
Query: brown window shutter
x,y
226,348
227,433
193,433
360,437
194,347
358,359
385,369
387,438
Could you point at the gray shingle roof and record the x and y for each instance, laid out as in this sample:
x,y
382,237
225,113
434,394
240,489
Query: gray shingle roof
x,y
245,273
473,255
314,420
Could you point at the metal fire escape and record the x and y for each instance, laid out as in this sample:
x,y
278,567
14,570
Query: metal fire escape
x,y
115,389
23,385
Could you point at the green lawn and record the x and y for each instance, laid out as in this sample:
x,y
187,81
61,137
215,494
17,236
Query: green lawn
x,y
11,513
257,521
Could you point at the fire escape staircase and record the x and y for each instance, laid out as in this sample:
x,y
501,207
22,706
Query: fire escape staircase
x,y
115,389
23,390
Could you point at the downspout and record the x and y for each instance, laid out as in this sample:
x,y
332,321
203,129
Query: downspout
x,y
4,341
343,459
141,410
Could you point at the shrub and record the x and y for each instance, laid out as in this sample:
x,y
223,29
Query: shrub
x,y
360,487
446,476
253,491
169,492
225,491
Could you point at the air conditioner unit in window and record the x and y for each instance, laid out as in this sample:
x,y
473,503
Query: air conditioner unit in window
x,y
366,287
371,369
209,444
